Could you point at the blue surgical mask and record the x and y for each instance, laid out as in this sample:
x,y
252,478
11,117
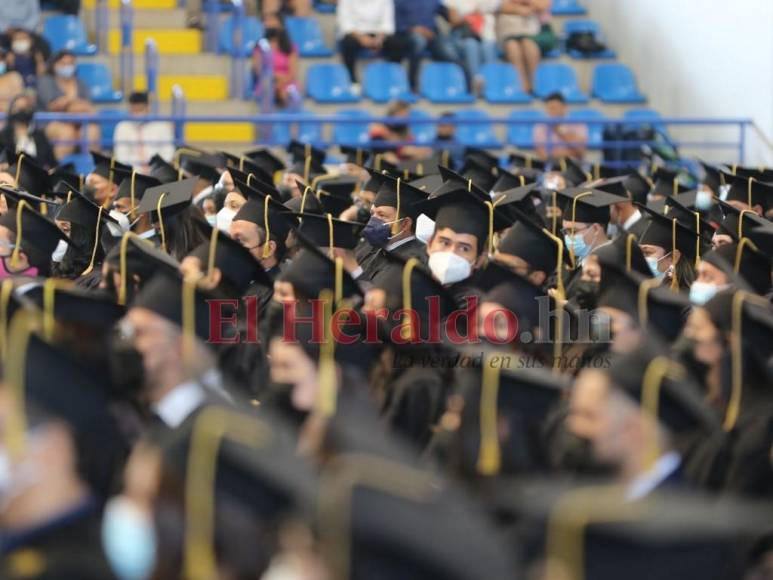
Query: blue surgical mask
x,y
576,244
66,71
129,540
702,292
3,68
653,262
377,232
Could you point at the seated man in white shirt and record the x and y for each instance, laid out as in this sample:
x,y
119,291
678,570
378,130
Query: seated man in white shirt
x,y
136,142
561,140
363,25
613,408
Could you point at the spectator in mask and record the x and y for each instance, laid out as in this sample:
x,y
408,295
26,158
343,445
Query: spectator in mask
x,y
11,82
398,132
60,91
136,142
22,135
284,58
27,56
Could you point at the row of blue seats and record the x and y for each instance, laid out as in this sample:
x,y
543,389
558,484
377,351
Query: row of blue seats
x,y
445,83
558,8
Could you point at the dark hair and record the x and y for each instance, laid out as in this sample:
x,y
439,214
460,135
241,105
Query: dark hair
x,y
555,96
56,57
78,254
138,98
185,231
282,38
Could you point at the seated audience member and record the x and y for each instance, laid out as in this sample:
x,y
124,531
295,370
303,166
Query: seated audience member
x,y
21,13
398,133
473,34
11,82
363,24
416,32
22,135
524,31
445,138
60,91
136,142
27,56
284,66
288,7
562,140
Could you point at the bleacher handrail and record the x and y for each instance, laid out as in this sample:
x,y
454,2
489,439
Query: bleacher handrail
x,y
101,25
179,107
151,72
127,48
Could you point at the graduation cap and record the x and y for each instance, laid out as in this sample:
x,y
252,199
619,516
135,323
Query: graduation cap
x,y
508,180
266,160
668,233
585,205
573,172
202,166
481,157
378,163
711,176
667,182
533,244
482,174
13,195
759,173
762,236
328,232
67,174
270,215
31,177
428,183
356,155
235,262
408,285
308,170
400,195
377,177
32,230
514,292
133,185
751,192
606,171
522,398
742,259
736,223
307,203
412,169
165,201
638,186
252,187
138,261
464,213
180,301
453,181
162,170
312,272
682,208
523,198
85,213
335,195
104,166
302,151
614,185
625,253
527,161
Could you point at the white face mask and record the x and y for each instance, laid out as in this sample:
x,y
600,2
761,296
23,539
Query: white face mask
x,y
702,292
21,46
553,182
703,200
425,228
224,218
212,219
723,190
58,254
449,268
123,225
129,540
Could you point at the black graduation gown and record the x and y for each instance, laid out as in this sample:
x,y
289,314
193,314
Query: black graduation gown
x,y
637,228
376,262
68,547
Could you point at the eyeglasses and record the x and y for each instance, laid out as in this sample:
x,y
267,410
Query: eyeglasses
x,y
570,231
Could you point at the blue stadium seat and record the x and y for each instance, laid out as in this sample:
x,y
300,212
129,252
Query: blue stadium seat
x,y
423,133
386,81
523,135
306,34
252,31
351,134
595,132
476,135
444,82
330,83
67,32
558,77
645,117
98,78
306,132
587,26
502,85
616,83
568,8
324,7
107,126
84,163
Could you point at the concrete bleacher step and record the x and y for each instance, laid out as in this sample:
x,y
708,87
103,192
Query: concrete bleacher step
x,y
168,64
211,87
137,4
147,18
168,40
218,135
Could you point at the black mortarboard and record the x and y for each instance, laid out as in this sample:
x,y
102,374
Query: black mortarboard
x,y
329,232
104,166
625,253
587,205
682,207
606,171
527,161
532,244
163,294
666,232
170,198
307,170
759,173
333,204
523,198
574,173
68,174
140,262
428,183
497,394
412,169
266,160
667,182
751,265
252,187
235,262
249,173
31,177
162,170
356,155
13,195
751,192
482,175
300,151
269,215
515,293
453,181
481,157
77,306
399,195
37,231
639,186
464,213
711,176
307,202
134,181
762,236
736,223
204,167
614,185
508,180
342,187
378,163
376,179
312,272
82,211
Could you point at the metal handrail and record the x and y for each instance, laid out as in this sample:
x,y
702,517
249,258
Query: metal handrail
x,y
178,113
151,73
127,49
101,25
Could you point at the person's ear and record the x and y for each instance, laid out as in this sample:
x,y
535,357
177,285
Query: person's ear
x,y
407,226
537,277
675,257
271,248
480,261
